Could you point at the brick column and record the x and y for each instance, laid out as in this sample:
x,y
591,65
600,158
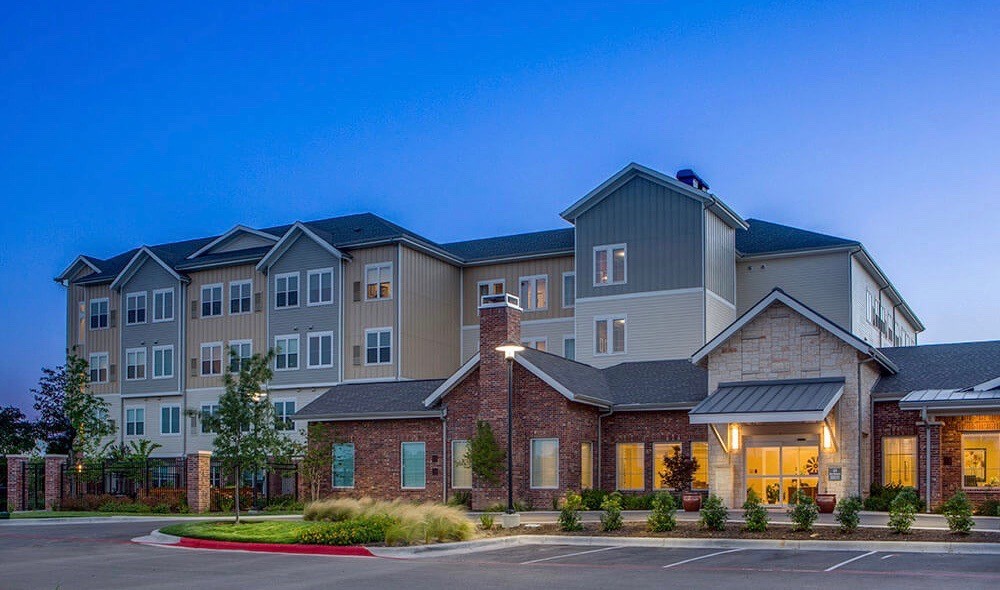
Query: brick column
x,y
199,481
933,496
53,480
15,483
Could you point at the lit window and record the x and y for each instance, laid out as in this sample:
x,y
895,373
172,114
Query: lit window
x,y
99,367
211,300
98,314
414,465
534,292
569,289
135,364
899,459
320,286
609,265
320,350
135,421
378,281
135,308
981,460
586,466
163,305
240,353
211,358
170,420
461,475
286,290
343,465
283,412
378,346
699,451
286,352
163,362
609,335
544,463
491,287
660,452
631,473
239,296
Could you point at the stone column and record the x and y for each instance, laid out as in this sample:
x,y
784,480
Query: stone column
x,y
53,480
15,482
199,481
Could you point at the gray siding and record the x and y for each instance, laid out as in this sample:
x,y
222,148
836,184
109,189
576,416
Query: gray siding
x,y
821,281
663,231
150,276
242,241
302,256
720,257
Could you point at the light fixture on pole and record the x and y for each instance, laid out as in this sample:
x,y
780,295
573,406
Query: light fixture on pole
x,y
509,349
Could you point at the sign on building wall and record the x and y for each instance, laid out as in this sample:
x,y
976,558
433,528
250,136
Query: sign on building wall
x,y
834,473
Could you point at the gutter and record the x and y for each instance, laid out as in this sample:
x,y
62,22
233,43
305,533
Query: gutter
x,y
369,416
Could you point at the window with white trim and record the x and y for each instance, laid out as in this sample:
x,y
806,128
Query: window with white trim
x,y
163,361
135,308
378,346
211,358
343,465
286,290
170,419
568,289
135,364
209,410
163,305
211,300
240,297
283,411
490,287
135,421
539,343
609,335
414,465
286,352
320,353
378,281
320,283
534,292
544,463
99,313
99,362
461,472
569,347
240,353
610,266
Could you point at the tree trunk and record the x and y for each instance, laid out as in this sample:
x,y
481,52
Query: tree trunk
x,y
236,495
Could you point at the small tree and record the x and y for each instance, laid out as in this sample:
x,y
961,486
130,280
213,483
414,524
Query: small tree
x,y
678,471
569,516
958,511
714,514
484,456
847,513
611,520
804,512
72,420
903,510
315,464
662,518
17,433
754,514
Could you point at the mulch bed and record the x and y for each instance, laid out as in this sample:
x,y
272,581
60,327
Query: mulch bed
x,y
690,530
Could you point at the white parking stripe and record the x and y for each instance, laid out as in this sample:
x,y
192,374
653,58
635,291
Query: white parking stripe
x,y
855,558
569,555
702,557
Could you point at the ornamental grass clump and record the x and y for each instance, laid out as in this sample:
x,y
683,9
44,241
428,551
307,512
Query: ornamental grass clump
x,y
408,522
569,516
903,511
486,521
958,511
714,514
847,515
611,520
662,518
804,513
754,514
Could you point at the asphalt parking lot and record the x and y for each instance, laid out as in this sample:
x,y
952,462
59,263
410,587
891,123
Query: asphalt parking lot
x,y
101,556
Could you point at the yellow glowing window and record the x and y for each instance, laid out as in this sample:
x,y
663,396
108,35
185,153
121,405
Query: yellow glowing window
x,y
586,466
660,452
899,460
699,450
631,475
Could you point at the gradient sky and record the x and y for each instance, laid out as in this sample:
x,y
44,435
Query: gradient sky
x,y
122,125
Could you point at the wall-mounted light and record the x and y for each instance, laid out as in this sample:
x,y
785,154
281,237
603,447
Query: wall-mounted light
x,y
827,437
734,437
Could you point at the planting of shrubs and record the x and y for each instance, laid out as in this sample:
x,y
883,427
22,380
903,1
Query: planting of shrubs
x,y
804,513
847,514
903,510
989,508
958,511
569,516
881,496
359,531
486,521
592,499
410,523
611,520
714,514
662,518
754,514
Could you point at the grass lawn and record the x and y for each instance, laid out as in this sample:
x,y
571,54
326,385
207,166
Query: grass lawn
x,y
83,514
250,531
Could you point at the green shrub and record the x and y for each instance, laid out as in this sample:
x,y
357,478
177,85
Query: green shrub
x,y
988,508
754,514
359,531
958,511
611,520
662,518
902,511
846,513
285,503
569,516
714,514
461,498
486,521
637,502
592,499
804,513
881,496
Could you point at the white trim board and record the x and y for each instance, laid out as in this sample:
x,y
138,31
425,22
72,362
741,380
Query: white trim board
x,y
684,291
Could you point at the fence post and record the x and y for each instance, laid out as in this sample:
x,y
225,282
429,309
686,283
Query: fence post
x,y
53,479
15,481
199,481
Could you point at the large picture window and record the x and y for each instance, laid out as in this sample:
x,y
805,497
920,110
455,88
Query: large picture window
x,y
631,473
660,452
699,451
586,465
461,475
899,460
981,460
343,465
414,472
545,463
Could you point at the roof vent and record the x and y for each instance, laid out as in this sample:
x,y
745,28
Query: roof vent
x,y
687,176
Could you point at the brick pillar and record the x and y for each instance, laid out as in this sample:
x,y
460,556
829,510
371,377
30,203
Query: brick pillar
x,y
15,482
934,497
53,480
199,481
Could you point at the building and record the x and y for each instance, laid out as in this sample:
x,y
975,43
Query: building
x,y
657,305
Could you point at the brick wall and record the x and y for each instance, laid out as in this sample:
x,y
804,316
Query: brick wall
x,y
15,484
952,428
648,428
199,481
53,480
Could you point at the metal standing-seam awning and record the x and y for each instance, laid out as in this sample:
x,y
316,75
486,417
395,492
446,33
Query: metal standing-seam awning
x,y
789,400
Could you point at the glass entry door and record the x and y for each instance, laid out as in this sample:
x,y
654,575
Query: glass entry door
x,y
776,472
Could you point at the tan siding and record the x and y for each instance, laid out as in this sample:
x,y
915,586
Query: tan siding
x,y
429,333
224,328
511,273
105,340
720,257
821,281
361,315
718,315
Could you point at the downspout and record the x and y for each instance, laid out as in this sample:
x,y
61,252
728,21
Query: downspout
x,y
600,447
927,459
444,455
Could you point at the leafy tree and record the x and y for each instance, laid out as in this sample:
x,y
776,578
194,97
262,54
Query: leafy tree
x,y
483,455
804,513
678,471
17,433
569,516
611,519
754,514
662,518
958,511
847,513
714,514
246,430
72,420
315,465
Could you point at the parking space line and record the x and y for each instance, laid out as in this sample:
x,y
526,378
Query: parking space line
x,y
569,555
701,557
855,558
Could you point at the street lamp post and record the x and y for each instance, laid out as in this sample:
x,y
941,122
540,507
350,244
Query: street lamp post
x,y
509,349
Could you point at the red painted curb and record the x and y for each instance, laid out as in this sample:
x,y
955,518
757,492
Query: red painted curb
x,y
351,550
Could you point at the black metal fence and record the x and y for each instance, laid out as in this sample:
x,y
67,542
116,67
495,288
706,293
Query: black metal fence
x,y
33,485
275,486
129,479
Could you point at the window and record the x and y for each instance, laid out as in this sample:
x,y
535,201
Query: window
x,y
170,420
569,347
163,305
135,421
320,286
536,343
871,308
378,346
414,470
240,352
240,297
163,362
586,466
99,367
569,289
899,460
545,463
283,412
286,290
660,452
461,475
343,465
211,300
99,313
320,350
699,451
490,287
609,335
286,352
631,473
534,293
209,410
378,281
609,265
211,358
135,364
981,460
135,308
162,476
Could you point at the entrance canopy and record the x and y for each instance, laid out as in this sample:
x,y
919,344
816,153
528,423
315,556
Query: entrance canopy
x,y
789,400
957,400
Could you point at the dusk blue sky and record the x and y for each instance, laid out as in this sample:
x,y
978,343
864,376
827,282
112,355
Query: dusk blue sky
x,y
122,126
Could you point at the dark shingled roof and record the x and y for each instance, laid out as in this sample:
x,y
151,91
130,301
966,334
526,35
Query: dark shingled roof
x,y
542,242
577,377
941,366
225,257
657,382
361,399
765,237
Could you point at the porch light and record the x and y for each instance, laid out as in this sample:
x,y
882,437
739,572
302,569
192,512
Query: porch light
x,y
509,349
734,437
827,438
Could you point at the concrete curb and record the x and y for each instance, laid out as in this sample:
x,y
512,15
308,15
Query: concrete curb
x,y
156,538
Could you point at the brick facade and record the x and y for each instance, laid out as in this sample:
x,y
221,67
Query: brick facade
x,y
649,428
952,428
199,481
53,480
15,484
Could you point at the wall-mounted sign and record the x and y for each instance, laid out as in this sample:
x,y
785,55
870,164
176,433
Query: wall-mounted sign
x,y
834,473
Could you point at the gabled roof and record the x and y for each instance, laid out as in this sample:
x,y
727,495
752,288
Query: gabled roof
x,y
940,366
765,237
80,260
371,401
633,170
237,229
541,243
777,295
321,237
786,400
140,257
